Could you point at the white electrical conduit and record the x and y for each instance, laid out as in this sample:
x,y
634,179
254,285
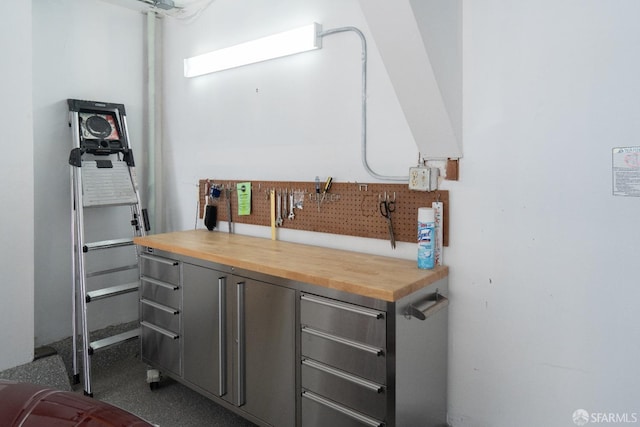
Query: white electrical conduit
x,y
151,116
364,103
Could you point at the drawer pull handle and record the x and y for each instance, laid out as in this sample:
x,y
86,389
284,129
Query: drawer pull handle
x,y
348,377
438,302
159,306
354,344
160,283
342,306
165,261
160,330
339,408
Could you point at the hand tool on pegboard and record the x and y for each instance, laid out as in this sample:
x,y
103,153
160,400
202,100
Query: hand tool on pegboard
x,y
349,208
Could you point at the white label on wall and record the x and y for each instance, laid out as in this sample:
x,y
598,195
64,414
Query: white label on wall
x,y
626,171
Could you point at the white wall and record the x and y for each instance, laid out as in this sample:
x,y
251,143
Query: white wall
x,y
16,219
287,119
82,49
543,259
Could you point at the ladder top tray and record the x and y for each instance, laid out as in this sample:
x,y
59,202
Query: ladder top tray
x,y
107,186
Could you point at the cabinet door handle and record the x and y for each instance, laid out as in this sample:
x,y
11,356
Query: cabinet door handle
x,y
344,375
438,303
343,306
354,344
222,342
241,361
339,408
165,261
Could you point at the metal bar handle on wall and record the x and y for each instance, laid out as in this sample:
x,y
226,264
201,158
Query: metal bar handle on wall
x,y
436,303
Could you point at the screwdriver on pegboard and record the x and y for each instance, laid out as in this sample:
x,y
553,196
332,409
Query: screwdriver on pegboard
x,y
318,191
327,187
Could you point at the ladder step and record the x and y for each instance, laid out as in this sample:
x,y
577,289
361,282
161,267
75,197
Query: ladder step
x,y
107,244
112,291
112,270
113,340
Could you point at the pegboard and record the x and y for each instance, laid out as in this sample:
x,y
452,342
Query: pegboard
x,y
348,208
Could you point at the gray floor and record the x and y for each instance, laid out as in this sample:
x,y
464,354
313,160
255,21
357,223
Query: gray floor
x,y
119,378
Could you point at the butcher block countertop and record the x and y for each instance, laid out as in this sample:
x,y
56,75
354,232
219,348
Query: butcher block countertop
x,y
373,276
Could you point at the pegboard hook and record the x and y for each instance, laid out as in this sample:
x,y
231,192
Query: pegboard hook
x,y
386,197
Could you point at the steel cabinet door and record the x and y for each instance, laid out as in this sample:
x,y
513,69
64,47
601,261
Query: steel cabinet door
x,y
264,355
204,328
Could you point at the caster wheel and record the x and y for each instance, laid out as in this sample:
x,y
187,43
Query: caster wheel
x,y
153,378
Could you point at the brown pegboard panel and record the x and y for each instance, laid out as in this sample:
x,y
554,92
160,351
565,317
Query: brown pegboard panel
x,y
349,208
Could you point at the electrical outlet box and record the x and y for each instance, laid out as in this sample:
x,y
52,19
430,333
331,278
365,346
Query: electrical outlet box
x,y
423,178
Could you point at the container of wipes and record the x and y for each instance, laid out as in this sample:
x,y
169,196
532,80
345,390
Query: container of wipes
x,y
426,238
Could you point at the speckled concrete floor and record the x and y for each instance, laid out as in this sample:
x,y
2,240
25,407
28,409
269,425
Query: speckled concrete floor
x,y
119,378
48,371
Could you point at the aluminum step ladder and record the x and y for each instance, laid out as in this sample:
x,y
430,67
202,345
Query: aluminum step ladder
x,y
103,181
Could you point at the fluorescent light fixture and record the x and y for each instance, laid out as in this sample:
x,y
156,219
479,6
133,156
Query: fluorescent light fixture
x,y
278,45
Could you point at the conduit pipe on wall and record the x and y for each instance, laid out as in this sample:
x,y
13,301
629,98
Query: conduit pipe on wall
x,y
151,117
363,135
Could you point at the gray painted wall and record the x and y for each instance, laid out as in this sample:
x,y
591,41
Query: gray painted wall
x,y
16,219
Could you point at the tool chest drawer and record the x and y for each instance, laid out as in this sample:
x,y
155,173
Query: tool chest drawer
x,y
161,269
160,315
352,391
160,292
160,347
346,336
346,320
318,411
160,312
351,356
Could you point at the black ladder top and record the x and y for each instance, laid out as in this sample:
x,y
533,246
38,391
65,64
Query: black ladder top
x,y
101,128
81,105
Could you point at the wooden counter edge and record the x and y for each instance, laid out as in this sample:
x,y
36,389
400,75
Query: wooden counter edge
x,y
436,274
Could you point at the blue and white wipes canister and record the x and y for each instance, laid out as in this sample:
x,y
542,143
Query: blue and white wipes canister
x,y
426,238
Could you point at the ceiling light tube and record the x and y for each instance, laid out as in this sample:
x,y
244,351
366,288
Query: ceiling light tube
x,y
275,46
